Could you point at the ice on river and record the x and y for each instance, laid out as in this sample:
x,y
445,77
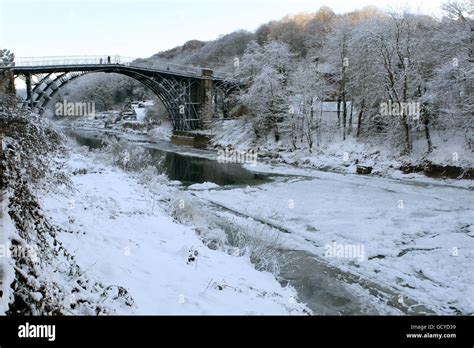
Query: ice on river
x,y
417,239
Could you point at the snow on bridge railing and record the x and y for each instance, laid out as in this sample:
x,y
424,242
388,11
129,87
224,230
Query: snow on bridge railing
x,y
105,59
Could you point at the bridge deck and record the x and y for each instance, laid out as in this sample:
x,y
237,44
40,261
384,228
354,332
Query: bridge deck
x,y
98,63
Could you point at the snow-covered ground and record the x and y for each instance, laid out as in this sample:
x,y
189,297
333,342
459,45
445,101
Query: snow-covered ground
x,y
162,132
122,236
412,237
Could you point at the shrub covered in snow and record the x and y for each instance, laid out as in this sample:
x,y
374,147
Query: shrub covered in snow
x,y
262,245
47,281
128,156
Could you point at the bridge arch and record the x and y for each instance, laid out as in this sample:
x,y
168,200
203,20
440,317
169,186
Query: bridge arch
x,y
172,94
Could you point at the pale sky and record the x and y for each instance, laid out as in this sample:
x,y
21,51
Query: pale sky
x,y
144,27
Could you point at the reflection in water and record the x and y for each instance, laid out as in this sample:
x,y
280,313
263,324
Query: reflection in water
x,y
92,140
191,170
185,168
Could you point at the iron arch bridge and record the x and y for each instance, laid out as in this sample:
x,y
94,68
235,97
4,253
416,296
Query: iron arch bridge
x,y
191,95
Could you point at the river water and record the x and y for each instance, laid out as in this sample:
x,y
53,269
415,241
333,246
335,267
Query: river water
x,y
177,166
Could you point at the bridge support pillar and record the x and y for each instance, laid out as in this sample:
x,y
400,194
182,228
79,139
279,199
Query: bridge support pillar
x,y
207,108
29,94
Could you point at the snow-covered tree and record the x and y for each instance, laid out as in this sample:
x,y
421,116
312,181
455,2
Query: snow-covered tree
x,y
267,100
449,94
266,69
308,88
7,58
337,56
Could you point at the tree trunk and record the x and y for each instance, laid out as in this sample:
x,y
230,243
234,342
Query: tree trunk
x,y
406,125
344,103
359,119
338,112
344,115
426,121
349,128
310,126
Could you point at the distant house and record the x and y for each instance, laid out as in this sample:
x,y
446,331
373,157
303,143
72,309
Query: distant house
x,y
327,112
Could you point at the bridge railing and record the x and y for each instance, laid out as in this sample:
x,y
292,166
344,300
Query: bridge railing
x,y
115,59
71,60
166,66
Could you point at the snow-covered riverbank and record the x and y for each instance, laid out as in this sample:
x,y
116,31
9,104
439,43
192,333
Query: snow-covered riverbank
x,y
123,236
452,159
